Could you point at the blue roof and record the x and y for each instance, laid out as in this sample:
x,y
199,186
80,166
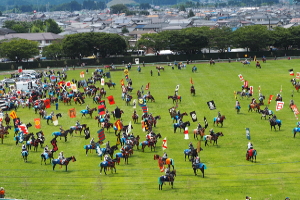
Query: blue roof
x,y
140,26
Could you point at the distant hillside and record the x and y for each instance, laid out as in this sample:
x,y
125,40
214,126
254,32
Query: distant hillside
x,y
114,2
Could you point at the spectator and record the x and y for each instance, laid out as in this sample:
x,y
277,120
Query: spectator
x,y
2,192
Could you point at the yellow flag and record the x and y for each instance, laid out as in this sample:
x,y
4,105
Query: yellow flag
x,y
13,115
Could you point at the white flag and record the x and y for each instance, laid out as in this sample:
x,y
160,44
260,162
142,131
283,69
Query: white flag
x,y
279,105
164,146
102,81
134,103
129,128
186,133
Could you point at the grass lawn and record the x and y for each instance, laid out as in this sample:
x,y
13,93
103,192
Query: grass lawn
x,y
275,175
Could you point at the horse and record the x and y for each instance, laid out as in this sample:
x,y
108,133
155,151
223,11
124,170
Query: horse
x,y
88,112
181,125
175,98
200,166
170,178
3,132
219,120
107,125
264,60
190,152
200,132
6,119
194,69
45,156
48,118
67,100
42,113
93,146
255,107
126,152
168,161
101,120
60,134
150,143
245,63
61,162
128,99
238,109
212,62
265,113
212,136
274,122
193,91
77,128
109,84
244,94
135,118
108,164
160,68
149,97
295,130
25,155
251,155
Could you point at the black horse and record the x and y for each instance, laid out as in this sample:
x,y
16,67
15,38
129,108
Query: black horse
x,y
200,166
274,122
65,162
181,125
175,98
170,178
190,152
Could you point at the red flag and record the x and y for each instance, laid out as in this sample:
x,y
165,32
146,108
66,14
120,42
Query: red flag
x,y
298,75
111,100
245,84
122,82
101,109
191,81
291,72
270,99
72,113
241,77
47,103
147,86
37,123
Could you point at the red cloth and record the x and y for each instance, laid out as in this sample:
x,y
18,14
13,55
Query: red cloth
x,y
47,103
111,100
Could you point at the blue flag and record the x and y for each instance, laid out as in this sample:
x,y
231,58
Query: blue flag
x,y
107,75
248,134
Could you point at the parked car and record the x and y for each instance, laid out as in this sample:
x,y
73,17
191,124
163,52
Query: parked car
x,y
27,76
8,81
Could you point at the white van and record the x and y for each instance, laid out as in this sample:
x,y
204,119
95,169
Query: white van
x,y
32,72
25,86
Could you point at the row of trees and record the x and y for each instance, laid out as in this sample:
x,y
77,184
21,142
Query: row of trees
x,y
37,26
73,46
191,40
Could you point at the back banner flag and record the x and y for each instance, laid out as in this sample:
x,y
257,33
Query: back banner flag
x,y
55,120
298,75
211,105
191,81
145,109
101,135
13,114
17,122
134,103
107,75
279,105
198,147
193,116
205,122
72,113
101,109
47,103
241,77
111,100
270,99
37,123
102,81
291,72
164,145
147,86
248,134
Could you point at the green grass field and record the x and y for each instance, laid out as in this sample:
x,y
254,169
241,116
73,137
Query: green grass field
x,y
275,175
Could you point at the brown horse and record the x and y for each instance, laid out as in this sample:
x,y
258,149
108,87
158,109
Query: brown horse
x,y
175,98
199,132
135,118
193,91
212,137
255,107
219,120
67,100
168,161
110,84
6,119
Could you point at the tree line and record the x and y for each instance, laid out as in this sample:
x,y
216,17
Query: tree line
x,y
192,40
188,41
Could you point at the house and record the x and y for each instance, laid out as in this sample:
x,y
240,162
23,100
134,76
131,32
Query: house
x,y
4,31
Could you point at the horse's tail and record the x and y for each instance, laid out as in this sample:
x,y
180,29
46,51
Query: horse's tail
x,y
159,181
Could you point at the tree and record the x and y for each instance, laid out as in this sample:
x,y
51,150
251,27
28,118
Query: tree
x,y
145,6
281,37
18,49
191,13
19,28
118,8
54,50
182,8
254,37
52,26
220,38
125,30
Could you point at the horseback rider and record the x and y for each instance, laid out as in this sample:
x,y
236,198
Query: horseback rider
x,y
261,98
107,145
149,136
253,101
219,116
292,102
46,150
199,126
61,157
87,107
191,147
196,160
298,124
24,148
52,114
167,172
164,157
250,146
92,143
237,104
77,124
61,129
211,131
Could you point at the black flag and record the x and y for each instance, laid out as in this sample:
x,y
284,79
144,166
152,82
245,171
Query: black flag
x,y
193,116
205,122
211,105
